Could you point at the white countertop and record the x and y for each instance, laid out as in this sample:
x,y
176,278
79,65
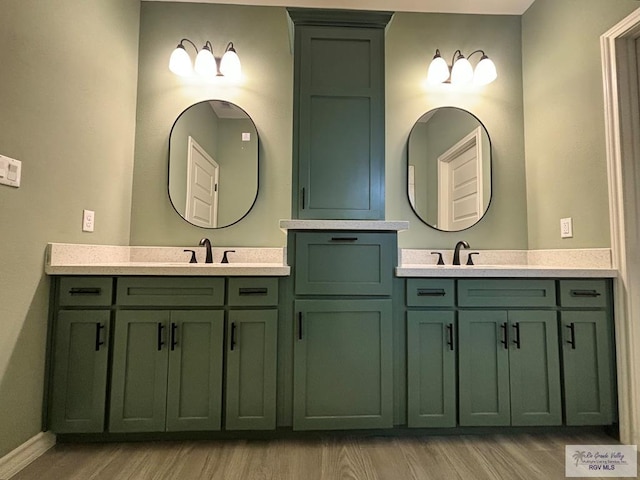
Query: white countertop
x,y
72,259
503,271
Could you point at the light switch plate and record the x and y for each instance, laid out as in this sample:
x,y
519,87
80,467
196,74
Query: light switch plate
x,y
10,171
566,227
88,220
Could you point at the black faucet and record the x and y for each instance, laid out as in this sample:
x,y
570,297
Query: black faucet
x,y
456,252
206,243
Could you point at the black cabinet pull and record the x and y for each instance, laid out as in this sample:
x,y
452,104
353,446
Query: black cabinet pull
x,y
584,293
253,291
344,239
505,335
516,327
84,291
431,292
99,341
232,343
450,336
303,198
174,335
299,325
572,335
160,335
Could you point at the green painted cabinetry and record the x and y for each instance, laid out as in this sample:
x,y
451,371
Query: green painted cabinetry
x,y
431,369
80,362
167,371
338,115
343,364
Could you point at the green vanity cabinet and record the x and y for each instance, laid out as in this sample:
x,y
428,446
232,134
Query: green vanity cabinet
x,y
251,357
167,371
343,364
431,369
338,114
587,352
79,379
509,368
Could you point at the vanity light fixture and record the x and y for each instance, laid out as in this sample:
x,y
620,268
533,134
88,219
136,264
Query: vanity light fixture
x,y
206,65
461,72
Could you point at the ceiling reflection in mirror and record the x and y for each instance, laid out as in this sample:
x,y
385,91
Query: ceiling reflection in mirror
x,y
213,164
449,169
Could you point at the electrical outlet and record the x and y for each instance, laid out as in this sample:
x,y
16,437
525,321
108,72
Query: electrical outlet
x,y
566,228
88,220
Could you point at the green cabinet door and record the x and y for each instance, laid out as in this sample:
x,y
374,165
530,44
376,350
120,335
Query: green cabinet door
x,y
80,359
534,368
431,369
483,358
339,123
194,389
343,364
139,376
587,373
251,370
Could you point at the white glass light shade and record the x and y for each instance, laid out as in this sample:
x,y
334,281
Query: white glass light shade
x,y
485,72
438,70
205,63
180,62
230,64
462,72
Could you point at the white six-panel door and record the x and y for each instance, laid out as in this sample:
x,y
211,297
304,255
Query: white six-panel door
x,y
202,186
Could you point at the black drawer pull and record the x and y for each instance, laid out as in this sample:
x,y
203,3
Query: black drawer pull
x,y
160,335
585,293
450,336
572,337
85,291
174,335
505,335
99,341
253,291
516,327
344,239
232,343
431,292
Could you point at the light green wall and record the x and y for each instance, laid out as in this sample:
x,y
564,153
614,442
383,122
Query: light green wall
x,y
564,119
260,36
67,97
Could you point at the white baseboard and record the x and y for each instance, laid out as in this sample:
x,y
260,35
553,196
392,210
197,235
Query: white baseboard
x,y
26,453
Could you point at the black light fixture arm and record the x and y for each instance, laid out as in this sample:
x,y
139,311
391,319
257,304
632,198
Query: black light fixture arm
x,y
180,45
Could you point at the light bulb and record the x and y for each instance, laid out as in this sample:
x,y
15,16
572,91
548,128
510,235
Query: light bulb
x,y
205,63
438,70
180,62
462,72
485,72
230,63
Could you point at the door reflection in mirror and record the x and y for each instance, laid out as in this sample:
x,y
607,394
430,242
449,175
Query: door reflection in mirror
x,y
449,169
213,164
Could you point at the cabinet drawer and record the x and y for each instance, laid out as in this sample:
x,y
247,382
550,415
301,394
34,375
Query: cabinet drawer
x,y
170,291
253,291
344,263
85,291
583,293
506,293
427,292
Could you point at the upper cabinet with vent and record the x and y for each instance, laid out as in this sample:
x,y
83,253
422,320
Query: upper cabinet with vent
x,y
338,170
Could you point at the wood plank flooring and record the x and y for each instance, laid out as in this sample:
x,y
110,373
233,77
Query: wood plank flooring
x,y
487,457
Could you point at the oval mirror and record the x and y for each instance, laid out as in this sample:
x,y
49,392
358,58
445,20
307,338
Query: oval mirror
x,y
449,169
213,164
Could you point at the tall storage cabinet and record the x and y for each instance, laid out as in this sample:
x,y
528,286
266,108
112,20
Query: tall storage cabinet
x,y
338,115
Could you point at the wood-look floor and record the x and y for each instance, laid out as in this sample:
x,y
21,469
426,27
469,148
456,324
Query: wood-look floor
x,y
490,457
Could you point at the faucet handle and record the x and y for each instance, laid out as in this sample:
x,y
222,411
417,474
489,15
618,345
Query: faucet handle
x,y
470,258
224,256
440,260
193,256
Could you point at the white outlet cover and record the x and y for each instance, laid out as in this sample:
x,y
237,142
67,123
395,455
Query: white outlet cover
x,y
88,220
566,227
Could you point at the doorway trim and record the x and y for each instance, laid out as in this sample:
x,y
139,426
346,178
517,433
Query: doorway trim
x,y
622,130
